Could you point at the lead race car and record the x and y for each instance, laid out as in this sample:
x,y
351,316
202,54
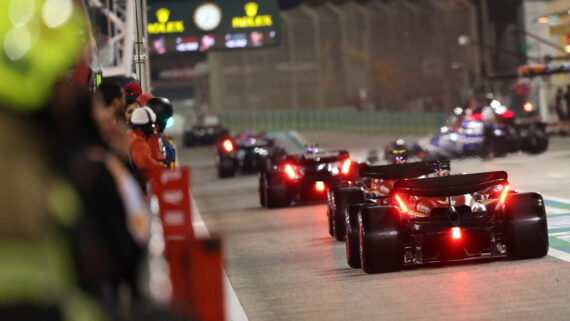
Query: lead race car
x,y
304,177
451,218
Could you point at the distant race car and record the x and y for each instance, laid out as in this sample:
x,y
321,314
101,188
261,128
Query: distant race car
x,y
469,136
303,177
246,153
204,135
373,183
448,218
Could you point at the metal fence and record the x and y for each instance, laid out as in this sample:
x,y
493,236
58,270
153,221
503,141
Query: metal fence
x,y
381,55
341,120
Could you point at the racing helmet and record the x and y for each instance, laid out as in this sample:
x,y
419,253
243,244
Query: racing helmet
x,y
312,148
40,40
163,110
399,152
142,119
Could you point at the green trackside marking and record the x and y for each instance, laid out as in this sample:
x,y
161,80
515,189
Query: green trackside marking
x,y
556,204
558,218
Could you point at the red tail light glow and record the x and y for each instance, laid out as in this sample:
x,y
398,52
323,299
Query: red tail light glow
x,y
476,117
508,114
290,171
504,194
455,233
228,146
320,186
345,166
401,203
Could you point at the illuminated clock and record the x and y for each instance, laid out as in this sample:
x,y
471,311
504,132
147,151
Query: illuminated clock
x,y
207,16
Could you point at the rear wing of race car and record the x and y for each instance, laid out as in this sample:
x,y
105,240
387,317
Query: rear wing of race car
x,y
325,156
450,185
403,171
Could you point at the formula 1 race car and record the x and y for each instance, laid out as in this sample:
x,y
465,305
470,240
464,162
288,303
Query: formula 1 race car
x,y
468,135
245,152
204,135
303,177
373,182
449,218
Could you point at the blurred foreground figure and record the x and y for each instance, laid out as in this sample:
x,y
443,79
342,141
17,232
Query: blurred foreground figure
x,y
38,206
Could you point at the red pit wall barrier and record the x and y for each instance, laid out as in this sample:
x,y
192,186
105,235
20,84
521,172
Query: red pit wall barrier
x,y
195,265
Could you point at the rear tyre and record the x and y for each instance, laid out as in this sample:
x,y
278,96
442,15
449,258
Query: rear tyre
x,y
381,249
537,143
526,230
261,189
226,168
343,196
275,192
329,220
188,139
353,236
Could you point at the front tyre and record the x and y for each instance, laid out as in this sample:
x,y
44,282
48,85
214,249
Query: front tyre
x,y
275,192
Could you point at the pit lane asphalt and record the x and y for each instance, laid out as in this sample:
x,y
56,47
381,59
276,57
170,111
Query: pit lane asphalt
x,y
283,265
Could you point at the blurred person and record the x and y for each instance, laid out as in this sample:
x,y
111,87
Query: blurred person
x,y
144,98
132,93
112,232
559,106
567,98
145,156
108,113
114,98
38,205
162,108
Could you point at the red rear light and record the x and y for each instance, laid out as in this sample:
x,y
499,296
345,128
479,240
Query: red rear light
x,y
290,171
508,114
455,233
228,146
476,117
345,167
401,203
504,194
320,186
528,107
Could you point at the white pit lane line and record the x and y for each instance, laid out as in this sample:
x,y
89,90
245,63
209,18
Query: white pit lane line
x,y
233,309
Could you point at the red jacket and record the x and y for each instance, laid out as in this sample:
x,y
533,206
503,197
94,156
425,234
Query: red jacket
x,y
144,152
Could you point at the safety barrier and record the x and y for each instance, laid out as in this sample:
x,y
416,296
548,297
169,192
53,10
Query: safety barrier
x,y
344,120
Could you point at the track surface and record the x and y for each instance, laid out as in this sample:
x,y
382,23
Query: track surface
x,y
283,265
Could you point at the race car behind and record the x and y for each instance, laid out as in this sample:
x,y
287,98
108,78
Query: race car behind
x,y
246,153
304,177
204,135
